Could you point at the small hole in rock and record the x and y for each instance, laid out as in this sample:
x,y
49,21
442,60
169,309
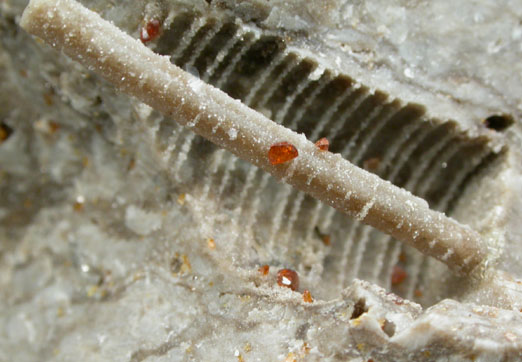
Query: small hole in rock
x,y
388,328
359,309
301,331
498,122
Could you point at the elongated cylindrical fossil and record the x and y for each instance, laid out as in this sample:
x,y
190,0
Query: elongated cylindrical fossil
x,y
128,64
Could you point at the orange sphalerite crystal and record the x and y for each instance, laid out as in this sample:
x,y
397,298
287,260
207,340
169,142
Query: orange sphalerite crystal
x,y
288,278
150,31
326,240
398,275
307,296
282,152
264,269
322,144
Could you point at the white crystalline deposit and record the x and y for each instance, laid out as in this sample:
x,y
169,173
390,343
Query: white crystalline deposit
x,y
232,134
141,221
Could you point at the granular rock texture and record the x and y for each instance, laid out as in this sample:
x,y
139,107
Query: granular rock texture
x,y
124,236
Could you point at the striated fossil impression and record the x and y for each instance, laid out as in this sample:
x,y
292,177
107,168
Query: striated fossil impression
x,y
173,230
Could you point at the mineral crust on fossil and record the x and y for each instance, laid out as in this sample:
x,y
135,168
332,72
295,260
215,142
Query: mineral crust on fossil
x,y
127,237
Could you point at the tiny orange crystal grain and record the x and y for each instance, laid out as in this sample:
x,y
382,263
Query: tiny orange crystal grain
x,y
307,296
5,132
322,144
326,240
398,275
288,278
264,269
282,152
150,31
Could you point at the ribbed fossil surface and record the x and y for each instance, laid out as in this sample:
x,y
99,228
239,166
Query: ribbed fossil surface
x,y
432,158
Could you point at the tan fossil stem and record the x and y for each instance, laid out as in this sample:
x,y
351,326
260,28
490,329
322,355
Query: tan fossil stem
x,y
133,68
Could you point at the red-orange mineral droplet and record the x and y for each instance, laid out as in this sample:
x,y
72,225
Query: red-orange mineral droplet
x,y
288,278
307,296
264,269
398,275
282,152
326,240
322,144
150,31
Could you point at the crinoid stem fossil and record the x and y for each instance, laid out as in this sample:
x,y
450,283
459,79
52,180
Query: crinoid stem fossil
x,y
133,68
